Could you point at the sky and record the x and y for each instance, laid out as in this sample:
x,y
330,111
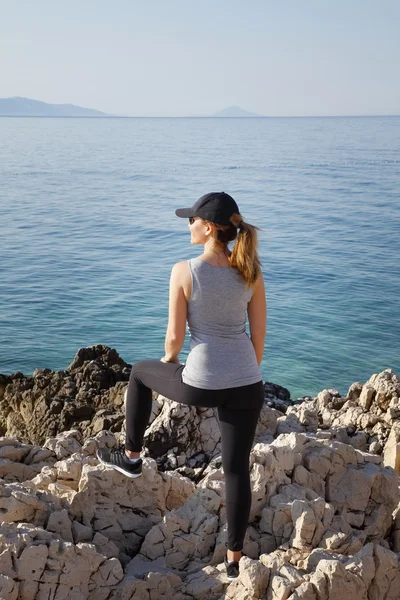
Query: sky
x,y
196,57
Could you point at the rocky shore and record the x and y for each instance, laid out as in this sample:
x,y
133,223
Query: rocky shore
x,y
325,517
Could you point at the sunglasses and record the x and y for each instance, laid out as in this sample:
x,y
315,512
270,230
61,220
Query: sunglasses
x,y
192,220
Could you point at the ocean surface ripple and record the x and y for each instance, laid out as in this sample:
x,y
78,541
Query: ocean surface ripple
x,y
89,236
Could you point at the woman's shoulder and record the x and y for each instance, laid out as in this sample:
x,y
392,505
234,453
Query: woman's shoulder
x,y
183,266
180,268
181,278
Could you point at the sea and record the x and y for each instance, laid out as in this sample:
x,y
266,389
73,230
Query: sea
x,y
89,236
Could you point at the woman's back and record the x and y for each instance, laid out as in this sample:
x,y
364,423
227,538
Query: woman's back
x,y
221,353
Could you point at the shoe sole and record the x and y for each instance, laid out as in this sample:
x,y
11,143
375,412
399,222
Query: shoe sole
x,y
126,473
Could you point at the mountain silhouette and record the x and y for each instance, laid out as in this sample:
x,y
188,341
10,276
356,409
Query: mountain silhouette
x,y
26,107
234,111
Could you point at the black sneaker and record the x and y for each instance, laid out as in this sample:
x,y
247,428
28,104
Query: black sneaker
x,y
117,459
232,568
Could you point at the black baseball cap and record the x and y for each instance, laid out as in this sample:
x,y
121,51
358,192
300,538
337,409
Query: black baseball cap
x,y
216,207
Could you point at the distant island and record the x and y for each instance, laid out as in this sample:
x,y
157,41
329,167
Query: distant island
x,y
25,107
235,111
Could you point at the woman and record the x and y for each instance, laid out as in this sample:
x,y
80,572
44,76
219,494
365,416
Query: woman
x,y
212,292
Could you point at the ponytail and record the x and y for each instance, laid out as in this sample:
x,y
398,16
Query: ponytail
x,y
244,256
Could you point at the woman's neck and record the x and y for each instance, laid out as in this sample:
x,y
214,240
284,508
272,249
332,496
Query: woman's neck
x,y
217,256
215,251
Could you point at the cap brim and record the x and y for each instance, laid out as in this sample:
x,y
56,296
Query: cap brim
x,y
184,212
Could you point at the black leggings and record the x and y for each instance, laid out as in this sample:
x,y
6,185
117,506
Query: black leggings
x,y
238,412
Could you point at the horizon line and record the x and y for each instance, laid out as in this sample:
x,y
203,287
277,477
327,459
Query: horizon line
x,y
194,116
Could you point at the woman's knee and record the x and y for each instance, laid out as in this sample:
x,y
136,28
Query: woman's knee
x,y
138,365
236,467
134,376
138,368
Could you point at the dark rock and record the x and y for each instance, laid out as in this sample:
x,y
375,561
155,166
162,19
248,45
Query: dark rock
x,y
56,407
276,391
49,402
278,397
105,355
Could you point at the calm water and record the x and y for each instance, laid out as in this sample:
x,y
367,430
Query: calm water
x,y
88,237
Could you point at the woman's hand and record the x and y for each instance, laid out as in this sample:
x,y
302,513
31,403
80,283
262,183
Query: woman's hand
x,y
165,359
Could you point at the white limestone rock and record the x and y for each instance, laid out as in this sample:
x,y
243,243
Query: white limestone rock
x,y
386,583
206,583
391,452
189,429
186,533
45,566
318,497
65,443
60,523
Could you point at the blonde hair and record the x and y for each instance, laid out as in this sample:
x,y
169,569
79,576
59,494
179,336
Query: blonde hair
x,y
244,256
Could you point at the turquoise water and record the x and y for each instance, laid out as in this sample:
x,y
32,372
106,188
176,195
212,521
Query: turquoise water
x,y
89,236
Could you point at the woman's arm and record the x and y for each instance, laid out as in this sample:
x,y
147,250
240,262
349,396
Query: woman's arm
x,y
257,313
176,329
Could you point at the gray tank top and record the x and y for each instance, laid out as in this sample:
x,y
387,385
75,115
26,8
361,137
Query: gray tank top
x,y
221,353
